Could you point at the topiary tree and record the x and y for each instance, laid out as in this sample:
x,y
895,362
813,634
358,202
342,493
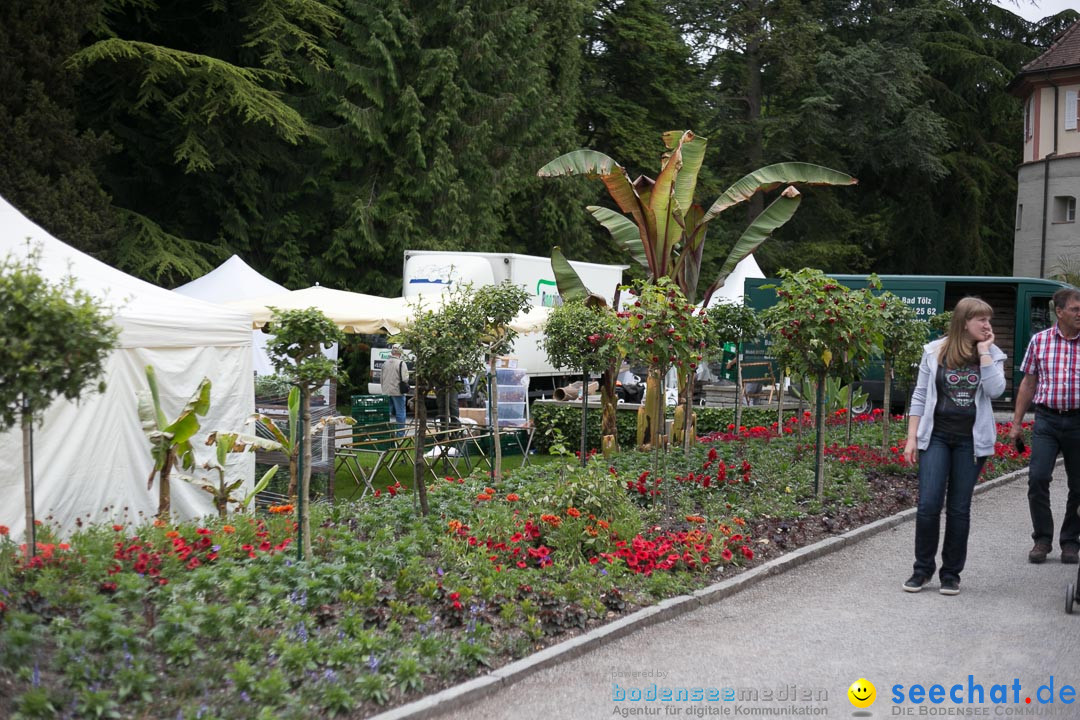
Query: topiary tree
x,y
446,343
901,348
733,323
822,329
56,339
584,337
497,306
298,338
661,330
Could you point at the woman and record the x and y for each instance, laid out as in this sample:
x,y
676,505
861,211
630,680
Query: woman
x,y
952,425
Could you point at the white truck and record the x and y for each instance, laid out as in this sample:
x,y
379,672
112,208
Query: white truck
x,y
433,271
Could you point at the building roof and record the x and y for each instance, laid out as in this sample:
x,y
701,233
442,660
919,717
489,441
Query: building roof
x,y
1064,52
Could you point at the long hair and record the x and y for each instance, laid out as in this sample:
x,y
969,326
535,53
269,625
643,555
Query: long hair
x,y
959,349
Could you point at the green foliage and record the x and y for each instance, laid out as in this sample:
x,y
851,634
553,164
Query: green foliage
x,y
445,339
56,340
298,338
837,396
498,305
904,336
661,329
581,337
730,323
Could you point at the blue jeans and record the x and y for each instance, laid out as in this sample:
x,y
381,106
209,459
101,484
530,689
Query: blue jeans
x,y
1053,434
397,406
948,471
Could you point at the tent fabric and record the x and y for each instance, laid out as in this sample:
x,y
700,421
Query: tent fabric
x,y
233,280
91,458
352,312
734,284
359,313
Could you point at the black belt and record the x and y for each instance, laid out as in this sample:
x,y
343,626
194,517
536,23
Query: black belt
x,y
1053,411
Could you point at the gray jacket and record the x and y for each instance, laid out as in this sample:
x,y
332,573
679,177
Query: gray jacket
x,y
394,370
991,385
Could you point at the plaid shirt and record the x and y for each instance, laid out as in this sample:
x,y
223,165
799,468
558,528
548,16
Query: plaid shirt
x,y
1055,359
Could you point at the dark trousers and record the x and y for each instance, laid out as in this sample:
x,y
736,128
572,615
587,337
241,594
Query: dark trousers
x,y
948,471
1054,434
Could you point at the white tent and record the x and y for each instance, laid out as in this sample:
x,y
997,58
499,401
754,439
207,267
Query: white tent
x,y
234,279
358,313
733,288
91,458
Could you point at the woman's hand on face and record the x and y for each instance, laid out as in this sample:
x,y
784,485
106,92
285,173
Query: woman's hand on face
x,y
911,451
984,344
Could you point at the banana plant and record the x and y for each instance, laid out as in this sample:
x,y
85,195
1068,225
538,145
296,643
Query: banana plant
x,y
170,442
289,443
222,492
662,228
660,225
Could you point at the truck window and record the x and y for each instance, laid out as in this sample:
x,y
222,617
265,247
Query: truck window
x,y
1041,317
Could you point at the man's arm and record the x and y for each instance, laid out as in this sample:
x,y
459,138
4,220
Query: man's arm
x,y
1024,394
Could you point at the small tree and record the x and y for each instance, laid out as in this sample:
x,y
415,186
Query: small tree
x,y
445,342
821,328
584,337
296,350
661,330
733,323
497,306
55,341
901,348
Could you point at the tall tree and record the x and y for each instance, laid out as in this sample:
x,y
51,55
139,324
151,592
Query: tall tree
x,y
46,158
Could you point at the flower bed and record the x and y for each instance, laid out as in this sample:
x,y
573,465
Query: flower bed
x,y
219,620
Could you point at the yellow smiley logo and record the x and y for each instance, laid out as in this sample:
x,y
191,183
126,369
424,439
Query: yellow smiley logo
x,y
862,693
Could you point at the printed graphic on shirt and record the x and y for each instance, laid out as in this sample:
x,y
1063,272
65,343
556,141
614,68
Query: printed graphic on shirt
x,y
960,385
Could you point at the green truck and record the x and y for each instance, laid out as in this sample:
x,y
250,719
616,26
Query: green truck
x,y
1021,309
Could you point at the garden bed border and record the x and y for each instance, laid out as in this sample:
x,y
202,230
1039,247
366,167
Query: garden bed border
x,y
464,694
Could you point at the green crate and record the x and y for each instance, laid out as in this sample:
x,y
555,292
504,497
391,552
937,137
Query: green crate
x,y
512,443
371,402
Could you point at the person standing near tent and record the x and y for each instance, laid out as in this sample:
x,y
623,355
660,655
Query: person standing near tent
x,y
395,376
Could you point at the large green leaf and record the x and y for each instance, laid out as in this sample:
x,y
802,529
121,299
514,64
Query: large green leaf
x,y
779,212
687,269
772,176
623,231
593,164
662,203
693,155
571,287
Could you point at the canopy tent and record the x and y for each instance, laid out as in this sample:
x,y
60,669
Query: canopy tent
x,y
92,459
359,313
733,288
234,279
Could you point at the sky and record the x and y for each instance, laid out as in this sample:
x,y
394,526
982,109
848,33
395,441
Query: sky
x,y
1039,9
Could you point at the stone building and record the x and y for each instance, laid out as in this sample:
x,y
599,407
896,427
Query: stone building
x,y
1047,236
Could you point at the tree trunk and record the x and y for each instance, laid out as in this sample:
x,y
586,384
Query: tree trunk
x,y
738,388
609,402
819,444
850,404
28,478
648,432
583,452
164,487
419,488
294,474
305,476
886,404
497,468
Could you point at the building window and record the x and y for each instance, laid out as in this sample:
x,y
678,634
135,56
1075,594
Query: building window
x,y
1064,209
1070,109
1019,216
1029,112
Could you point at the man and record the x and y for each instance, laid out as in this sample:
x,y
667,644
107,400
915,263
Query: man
x,y
1052,379
394,372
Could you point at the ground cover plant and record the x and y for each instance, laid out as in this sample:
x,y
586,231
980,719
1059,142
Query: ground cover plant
x,y
220,619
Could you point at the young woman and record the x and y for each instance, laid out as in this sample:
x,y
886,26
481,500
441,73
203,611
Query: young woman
x,y
952,428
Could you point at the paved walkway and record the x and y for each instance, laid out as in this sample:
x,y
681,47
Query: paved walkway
x,y
821,626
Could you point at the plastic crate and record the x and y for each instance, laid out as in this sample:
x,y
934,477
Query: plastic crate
x,y
512,443
371,402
